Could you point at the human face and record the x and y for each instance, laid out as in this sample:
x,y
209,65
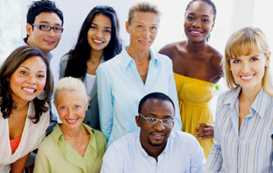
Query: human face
x,y
199,21
99,34
248,71
71,108
143,30
44,40
155,134
28,80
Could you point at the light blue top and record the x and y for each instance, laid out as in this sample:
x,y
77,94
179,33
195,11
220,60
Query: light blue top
x,y
247,149
120,89
182,154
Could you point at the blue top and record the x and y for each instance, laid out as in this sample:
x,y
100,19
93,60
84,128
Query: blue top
x,y
120,89
182,154
247,149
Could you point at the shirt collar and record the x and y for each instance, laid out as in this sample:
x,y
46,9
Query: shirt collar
x,y
127,60
257,106
166,149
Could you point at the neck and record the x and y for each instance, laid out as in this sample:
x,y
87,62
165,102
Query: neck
x,y
153,151
138,55
195,47
71,133
33,45
95,56
249,94
19,105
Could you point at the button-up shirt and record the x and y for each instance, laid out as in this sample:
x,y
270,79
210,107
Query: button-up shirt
x,y
120,89
182,154
244,149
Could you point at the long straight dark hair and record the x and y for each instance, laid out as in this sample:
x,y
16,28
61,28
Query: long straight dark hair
x,y
78,57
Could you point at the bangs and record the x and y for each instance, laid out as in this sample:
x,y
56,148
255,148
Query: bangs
x,y
245,44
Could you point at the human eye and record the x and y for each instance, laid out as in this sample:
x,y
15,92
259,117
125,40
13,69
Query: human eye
x,y
108,30
253,59
93,27
235,61
205,20
41,76
153,29
190,17
23,72
58,29
44,27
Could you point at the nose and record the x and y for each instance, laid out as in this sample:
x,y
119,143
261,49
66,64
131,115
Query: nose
x,y
245,67
99,33
196,23
159,126
31,79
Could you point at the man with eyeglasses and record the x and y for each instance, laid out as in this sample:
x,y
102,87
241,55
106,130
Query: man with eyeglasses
x,y
44,26
156,147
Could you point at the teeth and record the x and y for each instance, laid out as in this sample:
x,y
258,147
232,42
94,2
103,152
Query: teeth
x,y
98,41
246,77
71,121
29,90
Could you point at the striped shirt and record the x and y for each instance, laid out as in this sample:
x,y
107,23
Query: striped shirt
x,y
247,149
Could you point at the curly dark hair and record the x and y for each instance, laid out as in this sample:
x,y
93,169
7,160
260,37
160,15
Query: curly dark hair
x,y
78,57
13,61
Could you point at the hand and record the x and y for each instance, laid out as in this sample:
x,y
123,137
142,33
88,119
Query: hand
x,y
205,131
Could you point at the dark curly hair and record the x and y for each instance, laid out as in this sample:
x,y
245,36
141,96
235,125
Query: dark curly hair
x,y
13,61
78,57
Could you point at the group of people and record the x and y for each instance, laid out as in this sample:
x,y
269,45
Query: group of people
x,y
126,108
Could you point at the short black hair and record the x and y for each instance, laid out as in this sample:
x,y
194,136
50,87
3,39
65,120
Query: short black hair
x,y
154,95
209,2
41,6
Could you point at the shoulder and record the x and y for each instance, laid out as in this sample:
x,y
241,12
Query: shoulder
x,y
167,49
65,58
183,138
122,144
111,63
216,56
48,143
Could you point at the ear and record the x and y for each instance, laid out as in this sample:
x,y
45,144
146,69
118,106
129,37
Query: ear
x,y
138,121
127,26
29,29
267,57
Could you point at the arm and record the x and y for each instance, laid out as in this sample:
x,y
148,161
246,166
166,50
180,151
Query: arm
x,y
173,94
19,165
41,163
215,160
112,161
105,101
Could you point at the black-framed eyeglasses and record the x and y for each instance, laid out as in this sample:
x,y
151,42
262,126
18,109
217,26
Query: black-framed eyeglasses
x,y
167,122
47,27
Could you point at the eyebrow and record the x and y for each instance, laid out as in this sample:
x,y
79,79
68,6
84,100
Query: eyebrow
x,y
25,67
165,116
110,27
46,22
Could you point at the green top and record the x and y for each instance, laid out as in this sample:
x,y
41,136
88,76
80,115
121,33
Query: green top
x,y
55,155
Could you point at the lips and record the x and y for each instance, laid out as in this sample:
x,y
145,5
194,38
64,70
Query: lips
x,y
157,136
195,32
248,77
29,90
71,121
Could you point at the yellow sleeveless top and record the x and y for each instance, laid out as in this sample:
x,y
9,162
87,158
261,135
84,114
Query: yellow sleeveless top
x,y
194,96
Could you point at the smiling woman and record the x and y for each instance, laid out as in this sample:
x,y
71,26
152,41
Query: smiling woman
x,y
24,116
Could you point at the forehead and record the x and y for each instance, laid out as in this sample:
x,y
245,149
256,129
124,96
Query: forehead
x,y
48,17
69,96
157,107
101,19
199,7
145,17
35,63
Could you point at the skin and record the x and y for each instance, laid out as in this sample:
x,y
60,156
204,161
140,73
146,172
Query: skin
x,y
71,107
248,72
44,40
142,29
98,36
199,22
154,137
26,83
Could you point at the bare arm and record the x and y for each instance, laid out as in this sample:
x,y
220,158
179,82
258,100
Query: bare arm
x,y
19,165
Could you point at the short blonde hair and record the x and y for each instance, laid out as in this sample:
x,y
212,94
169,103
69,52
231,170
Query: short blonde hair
x,y
245,42
142,7
71,84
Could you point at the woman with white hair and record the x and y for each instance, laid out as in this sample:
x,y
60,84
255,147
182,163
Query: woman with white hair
x,y
72,147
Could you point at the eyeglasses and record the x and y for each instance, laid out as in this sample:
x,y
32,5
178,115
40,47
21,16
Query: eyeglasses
x,y
46,27
167,122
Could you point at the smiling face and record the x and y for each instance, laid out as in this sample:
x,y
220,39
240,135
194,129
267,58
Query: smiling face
x,y
155,135
142,29
71,107
44,40
248,71
199,21
28,80
99,34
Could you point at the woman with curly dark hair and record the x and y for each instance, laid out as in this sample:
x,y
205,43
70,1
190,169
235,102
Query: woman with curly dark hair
x,y
98,41
25,89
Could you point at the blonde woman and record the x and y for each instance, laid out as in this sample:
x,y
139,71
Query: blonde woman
x,y
72,147
244,116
